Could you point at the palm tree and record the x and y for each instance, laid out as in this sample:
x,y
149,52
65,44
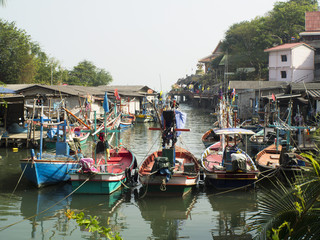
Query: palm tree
x,y
3,3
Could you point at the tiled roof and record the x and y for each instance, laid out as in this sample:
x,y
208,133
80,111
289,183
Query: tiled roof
x,y
312,21
216,52
287,46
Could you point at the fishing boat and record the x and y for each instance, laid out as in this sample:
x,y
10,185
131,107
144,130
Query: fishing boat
x,y
209,138
76,136
146,115
170,170
262,139
280,161
227,166
104,177
49,168
127,120
109,168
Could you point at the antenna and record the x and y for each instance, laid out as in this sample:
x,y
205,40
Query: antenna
x,y
160,82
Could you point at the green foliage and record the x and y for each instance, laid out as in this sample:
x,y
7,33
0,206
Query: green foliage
x,y
246,41
287,19
87,74
291,212
17,60
23,61
92,224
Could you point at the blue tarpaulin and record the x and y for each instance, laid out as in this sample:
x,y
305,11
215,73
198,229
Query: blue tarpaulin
x,y
6,90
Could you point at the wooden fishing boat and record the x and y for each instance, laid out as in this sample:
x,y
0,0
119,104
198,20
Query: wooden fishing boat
x,y
225,165
102,176
108,169
76,135
127,120
143,118
262,139
280,161
171,170
209,138
49,168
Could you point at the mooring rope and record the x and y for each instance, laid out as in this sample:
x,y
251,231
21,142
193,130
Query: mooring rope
x,y
15,188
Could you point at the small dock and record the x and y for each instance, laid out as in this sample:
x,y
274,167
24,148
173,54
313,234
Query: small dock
x,y
17,138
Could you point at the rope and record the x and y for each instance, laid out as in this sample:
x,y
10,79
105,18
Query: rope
x,y
15,188
163,186
10,225
123,184
157,139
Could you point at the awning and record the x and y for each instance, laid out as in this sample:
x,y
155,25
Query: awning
x,y
232,131
315,93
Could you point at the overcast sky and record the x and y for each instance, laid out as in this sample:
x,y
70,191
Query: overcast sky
x,y
140,42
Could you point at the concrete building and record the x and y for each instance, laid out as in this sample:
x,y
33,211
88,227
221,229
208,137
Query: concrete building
x,y
291,62
311,36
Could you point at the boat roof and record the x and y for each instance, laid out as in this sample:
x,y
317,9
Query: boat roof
x,y
231,131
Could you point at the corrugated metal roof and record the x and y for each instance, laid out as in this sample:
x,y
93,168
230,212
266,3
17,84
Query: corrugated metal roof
x,y
314,93
257,84
303,86
127,90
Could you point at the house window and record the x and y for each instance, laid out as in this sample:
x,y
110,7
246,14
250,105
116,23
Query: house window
x,y
283,58
283,74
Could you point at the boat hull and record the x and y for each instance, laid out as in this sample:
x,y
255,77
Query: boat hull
x,y
180,180
47,172
224,181
100,183
176,186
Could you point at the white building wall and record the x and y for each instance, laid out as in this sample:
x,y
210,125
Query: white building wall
x,y
298,67
303,58
303,75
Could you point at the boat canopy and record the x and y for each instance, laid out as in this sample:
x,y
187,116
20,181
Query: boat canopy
x,y
232,131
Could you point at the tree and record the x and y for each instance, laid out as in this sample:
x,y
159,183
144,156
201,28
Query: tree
x,y
245,43
17,60
87,74
287,19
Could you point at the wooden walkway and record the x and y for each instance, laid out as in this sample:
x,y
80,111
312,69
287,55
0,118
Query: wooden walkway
x,y
14,138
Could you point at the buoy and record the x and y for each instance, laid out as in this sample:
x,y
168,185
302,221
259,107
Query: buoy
x,y
15,149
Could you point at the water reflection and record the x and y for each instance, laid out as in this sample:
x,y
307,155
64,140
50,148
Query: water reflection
x,y
234,210
104,207
42,205
166,216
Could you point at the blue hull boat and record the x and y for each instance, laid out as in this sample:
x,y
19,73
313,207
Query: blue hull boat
x,y
51,169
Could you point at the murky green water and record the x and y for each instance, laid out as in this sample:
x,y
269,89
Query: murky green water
x,y
30,213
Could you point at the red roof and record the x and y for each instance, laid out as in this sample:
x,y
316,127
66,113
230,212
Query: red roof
x,y
287,46
312,21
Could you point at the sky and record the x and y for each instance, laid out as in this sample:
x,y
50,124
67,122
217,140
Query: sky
x,y
139,42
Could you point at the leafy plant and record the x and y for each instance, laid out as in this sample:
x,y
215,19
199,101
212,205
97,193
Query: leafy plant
x,y
92,224
291,212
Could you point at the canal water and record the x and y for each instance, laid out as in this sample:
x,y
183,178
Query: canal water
x,y
30,213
